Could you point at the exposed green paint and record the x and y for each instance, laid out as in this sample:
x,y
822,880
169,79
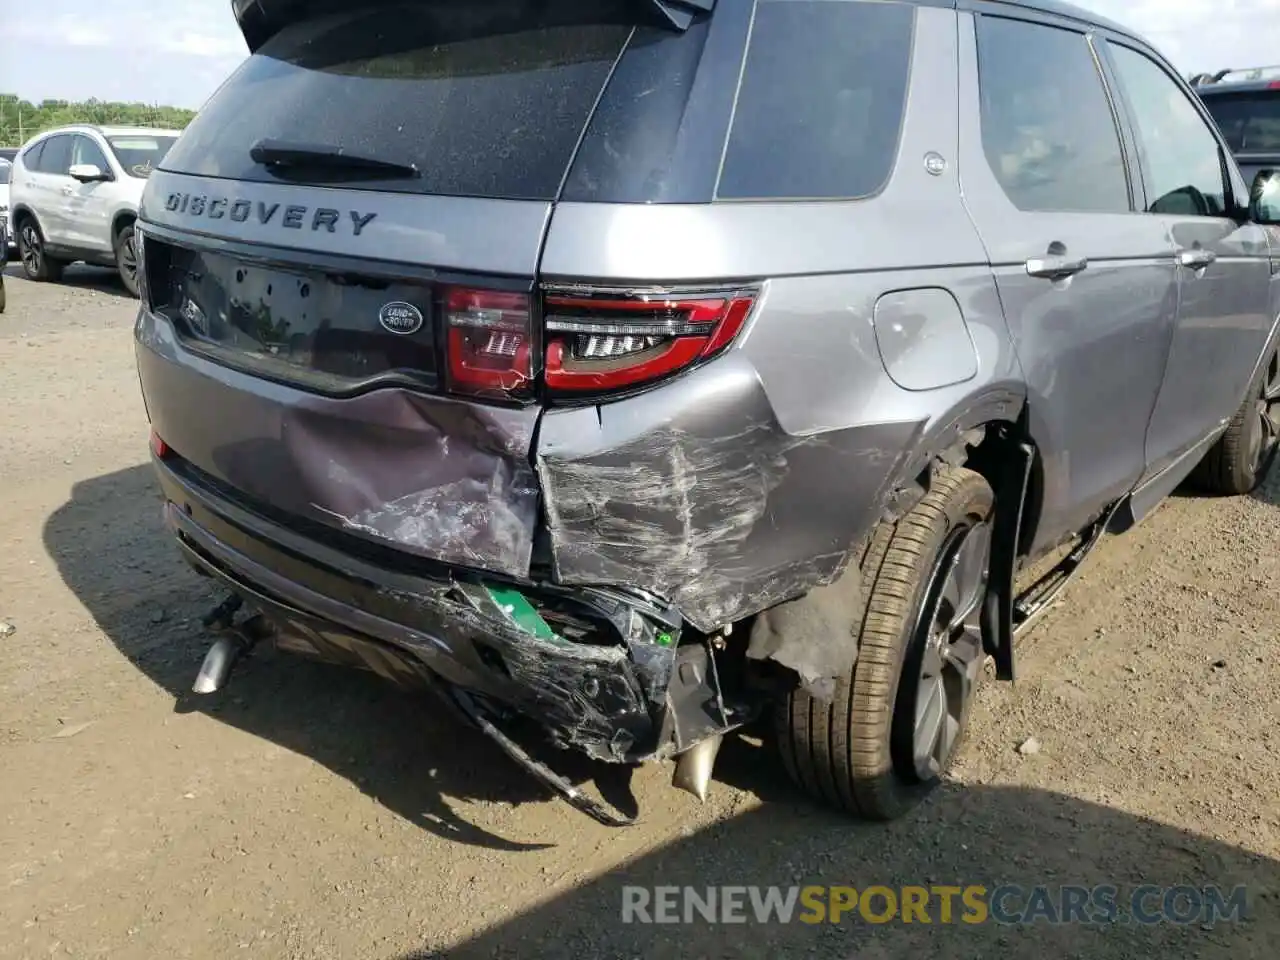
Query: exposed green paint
x,y
522,613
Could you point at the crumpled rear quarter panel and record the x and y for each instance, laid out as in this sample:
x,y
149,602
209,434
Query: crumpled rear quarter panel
x,y
696,493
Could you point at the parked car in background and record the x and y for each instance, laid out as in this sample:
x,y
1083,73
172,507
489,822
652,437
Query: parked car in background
x,y
74,195
6,170
706,391
1246,106
4,259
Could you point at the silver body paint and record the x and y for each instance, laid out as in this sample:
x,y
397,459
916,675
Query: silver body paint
x,y
885,330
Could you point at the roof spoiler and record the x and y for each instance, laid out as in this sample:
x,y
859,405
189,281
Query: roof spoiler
x,y
260,20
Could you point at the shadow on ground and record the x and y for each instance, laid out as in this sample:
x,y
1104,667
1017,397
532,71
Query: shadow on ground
x,y
79,276
111,550
993,837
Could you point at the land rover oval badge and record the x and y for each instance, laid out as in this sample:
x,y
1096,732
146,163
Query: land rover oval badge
x,y
400,317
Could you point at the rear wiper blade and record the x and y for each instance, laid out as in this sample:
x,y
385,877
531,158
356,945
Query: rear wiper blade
x,y
279,154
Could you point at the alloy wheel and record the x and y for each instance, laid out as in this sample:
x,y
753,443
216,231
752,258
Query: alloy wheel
x,y
949,638
129,258
32,249
1266,433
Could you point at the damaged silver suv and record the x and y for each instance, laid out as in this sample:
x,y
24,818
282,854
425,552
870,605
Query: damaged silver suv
x,y
645,368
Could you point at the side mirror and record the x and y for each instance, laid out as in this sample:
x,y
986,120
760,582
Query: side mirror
x,y
88,172
1264,198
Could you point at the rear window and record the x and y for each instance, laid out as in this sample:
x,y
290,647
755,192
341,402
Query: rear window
x,y
485,99
820,107
1249,121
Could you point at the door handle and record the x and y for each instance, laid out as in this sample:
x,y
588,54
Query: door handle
x,y
1056,267
1196,259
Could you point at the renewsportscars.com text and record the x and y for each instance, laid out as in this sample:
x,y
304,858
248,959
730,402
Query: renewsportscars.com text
x,y
969,904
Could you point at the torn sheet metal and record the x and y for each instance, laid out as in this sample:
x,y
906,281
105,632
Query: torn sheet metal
x,y
437,477
815,635
696,494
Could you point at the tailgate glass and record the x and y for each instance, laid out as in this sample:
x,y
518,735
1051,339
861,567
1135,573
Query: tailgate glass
x,y
485,100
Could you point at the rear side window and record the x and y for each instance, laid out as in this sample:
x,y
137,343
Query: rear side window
x,y
1250,122
31,157
820,106
485,99
1048,128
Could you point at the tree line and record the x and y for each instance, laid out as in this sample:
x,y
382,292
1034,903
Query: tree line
x,y
20,120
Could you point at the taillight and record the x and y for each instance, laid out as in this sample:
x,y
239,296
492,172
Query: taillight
x,y
140,265
601,344
159,447
490,342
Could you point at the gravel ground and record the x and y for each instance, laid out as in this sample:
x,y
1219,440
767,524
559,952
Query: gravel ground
x,y
310,812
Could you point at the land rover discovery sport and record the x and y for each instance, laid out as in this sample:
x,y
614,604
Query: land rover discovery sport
x,y
644,368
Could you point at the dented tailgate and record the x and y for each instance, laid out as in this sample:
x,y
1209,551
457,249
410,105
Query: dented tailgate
x,y
441,478
282,374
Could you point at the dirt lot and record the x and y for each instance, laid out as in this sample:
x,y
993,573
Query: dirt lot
x,y
314,813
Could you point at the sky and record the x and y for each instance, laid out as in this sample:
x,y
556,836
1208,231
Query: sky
x,y
176,52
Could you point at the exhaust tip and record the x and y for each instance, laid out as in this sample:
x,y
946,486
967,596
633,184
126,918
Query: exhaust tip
x,y
694,766
217,665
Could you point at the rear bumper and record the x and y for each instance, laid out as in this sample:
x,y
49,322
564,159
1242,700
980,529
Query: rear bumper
x,y
615,702
692,492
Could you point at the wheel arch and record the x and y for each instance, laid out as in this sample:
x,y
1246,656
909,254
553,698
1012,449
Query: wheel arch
x,y
122,217
21,211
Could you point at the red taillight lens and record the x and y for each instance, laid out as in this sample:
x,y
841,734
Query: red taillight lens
x,y
596,344
490,342
159,447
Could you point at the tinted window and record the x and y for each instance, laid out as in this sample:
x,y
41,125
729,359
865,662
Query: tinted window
x,y
139,154
820,106
85,150
639,147
56,156
484,99
1180,160
31,157
1047,126
1250,122
6,170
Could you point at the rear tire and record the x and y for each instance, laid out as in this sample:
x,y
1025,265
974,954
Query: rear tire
x,y
36,263
126,252
920,659
1236,464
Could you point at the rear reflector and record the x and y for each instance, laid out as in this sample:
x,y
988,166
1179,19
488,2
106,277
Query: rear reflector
x,y
600,345
490,343
159,447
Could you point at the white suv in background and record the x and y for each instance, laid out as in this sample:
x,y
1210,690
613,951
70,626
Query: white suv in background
x,y
6,167
74,195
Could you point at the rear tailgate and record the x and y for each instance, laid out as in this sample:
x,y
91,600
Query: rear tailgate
x,y
358,347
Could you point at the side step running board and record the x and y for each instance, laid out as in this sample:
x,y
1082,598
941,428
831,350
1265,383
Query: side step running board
x,y
1037,598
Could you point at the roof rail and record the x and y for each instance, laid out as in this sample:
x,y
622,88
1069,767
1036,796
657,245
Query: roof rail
x,y
1242,75
259,20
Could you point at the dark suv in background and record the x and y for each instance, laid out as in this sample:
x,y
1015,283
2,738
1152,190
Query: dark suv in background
x,y
1246,106
636,367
